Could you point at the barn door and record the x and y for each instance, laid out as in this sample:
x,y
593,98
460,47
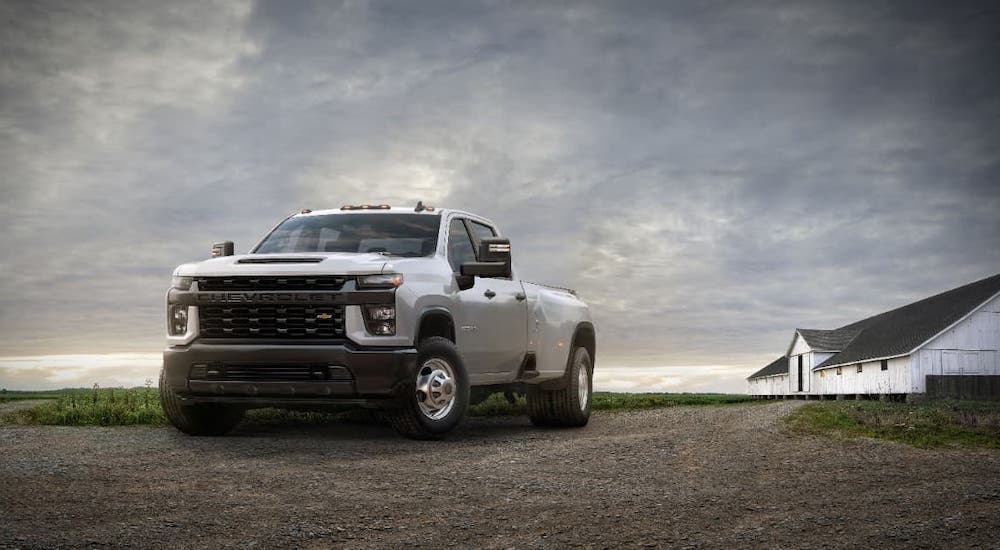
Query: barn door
x,y
959,362
800,373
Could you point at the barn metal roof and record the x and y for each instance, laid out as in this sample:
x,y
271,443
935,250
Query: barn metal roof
x,y
778,366
902,330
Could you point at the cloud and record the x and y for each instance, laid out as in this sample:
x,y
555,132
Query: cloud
x,y
79,370
708,176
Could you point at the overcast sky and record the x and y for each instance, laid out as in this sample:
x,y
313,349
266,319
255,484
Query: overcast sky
x,y
709,175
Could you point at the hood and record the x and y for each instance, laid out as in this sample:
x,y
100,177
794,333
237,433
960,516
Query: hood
x,y
301,263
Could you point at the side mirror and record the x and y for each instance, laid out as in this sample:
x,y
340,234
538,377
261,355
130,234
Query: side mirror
x,y
225,248
494,250
494,255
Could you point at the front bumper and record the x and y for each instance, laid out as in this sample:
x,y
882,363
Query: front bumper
x,y
364,376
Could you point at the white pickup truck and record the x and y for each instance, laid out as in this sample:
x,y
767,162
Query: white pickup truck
x,y
416,311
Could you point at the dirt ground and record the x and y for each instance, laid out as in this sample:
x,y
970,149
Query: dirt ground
x,y
684,477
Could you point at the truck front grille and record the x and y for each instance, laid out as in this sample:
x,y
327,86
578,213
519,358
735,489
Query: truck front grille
x,y
324,282
272,321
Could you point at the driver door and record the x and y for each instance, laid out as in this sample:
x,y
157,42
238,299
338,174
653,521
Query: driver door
x,y
490,317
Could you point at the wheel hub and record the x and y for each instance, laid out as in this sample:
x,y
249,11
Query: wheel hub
x,y
583,386
435,388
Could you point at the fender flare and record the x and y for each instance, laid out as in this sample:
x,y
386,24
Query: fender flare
x,y
584,330
435,311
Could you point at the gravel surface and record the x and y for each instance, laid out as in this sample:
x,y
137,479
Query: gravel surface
x,y
682,477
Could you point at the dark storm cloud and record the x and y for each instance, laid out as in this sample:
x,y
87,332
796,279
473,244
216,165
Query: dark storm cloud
x,y
708,175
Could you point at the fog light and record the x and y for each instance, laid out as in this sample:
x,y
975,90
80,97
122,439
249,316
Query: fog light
x,y
177,320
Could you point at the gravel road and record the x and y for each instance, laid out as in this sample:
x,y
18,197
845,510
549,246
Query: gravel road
x,y
683,477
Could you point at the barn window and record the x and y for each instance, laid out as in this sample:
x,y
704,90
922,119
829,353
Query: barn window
x,y
822,374
839,371
885,364
859,367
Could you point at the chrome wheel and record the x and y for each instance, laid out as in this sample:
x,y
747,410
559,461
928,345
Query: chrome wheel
x,y
436,388
583,386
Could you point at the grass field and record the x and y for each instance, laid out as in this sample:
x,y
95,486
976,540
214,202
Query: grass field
x,y
141,406
7,395
933,424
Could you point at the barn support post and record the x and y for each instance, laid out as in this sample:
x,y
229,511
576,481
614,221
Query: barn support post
x,y
883,397
841,397
859,396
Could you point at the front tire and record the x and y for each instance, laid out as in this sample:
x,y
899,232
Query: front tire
x,y
568,407
201,419
436,399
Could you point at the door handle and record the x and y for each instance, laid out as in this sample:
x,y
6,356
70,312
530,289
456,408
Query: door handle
x,y
520,296
489,294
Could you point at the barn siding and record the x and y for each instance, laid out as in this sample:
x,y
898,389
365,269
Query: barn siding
x,y
799,346
769,385
972,347
871,380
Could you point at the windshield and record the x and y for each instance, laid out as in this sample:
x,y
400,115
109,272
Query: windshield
x,y
396,234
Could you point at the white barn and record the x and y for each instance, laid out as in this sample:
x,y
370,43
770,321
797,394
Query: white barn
x,y
947,345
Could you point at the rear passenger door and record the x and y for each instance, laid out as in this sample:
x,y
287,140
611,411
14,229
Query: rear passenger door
x,y
491,316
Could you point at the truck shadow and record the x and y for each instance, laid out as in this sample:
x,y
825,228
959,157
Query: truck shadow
x,y
372,429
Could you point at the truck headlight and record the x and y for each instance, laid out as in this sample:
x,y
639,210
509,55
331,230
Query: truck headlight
x,y
182,283
380,319
177,320
382,280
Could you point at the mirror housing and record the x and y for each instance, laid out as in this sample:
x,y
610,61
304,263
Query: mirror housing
x,y
494,260
485,269
225,248
494,249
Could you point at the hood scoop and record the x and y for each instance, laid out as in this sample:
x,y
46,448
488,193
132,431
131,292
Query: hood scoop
x,y
279,260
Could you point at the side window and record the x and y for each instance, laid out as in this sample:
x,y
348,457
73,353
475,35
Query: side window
x,y
460,248
481,231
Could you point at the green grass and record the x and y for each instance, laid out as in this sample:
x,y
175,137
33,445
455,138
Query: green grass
x,y
93,407
141,406
934,424
10,395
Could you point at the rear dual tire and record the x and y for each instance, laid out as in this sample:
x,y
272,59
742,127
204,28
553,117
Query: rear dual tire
x,y
568,407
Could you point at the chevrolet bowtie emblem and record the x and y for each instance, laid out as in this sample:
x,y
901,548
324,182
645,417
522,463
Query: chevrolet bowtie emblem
x,y
324,316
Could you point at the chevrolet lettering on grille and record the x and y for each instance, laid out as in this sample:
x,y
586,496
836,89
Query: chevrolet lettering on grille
x,y
266,297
